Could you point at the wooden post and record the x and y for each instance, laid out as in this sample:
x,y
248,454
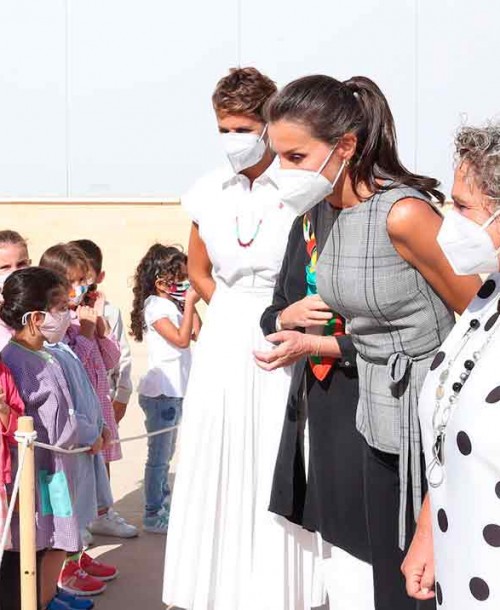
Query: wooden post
x,y
27,526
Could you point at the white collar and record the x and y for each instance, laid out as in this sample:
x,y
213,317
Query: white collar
x,y
268,177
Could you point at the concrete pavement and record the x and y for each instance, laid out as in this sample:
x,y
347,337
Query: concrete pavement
x,y
139,560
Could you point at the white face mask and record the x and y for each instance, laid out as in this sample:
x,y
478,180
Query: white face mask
x,y
302,189
244,150
467,246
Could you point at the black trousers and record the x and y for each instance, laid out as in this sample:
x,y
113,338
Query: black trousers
x,y
382,510
10,580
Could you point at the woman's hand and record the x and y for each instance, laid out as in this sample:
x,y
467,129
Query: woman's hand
x,y
309,311
418,566
294,345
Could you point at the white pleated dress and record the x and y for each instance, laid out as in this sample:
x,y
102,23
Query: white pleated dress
x,y
466,506
225,550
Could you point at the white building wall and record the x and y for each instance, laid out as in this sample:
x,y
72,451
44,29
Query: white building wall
x,y
111,98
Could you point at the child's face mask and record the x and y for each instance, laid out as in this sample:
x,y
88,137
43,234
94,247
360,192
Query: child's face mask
x,y
54,326
177,290
77,294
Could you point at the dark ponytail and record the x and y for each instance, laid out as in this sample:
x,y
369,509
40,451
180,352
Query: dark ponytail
x,y
165,262
330,109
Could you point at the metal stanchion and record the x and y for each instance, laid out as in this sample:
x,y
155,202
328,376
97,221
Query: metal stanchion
x,y
27,525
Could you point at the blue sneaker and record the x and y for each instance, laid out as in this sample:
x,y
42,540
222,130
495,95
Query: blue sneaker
x,y
76,603
57,604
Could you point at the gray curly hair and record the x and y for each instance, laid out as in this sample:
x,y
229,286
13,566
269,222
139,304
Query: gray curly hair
x,y
479,147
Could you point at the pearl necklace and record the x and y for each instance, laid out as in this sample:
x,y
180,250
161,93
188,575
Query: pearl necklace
x,y
441,416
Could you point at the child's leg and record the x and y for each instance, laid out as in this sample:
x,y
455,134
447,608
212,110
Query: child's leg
x,y
161,412
52,564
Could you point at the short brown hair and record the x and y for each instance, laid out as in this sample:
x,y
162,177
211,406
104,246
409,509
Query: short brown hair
x,y
243,91
61,258
7,236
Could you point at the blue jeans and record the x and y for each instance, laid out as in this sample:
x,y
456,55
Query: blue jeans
x,y
161,412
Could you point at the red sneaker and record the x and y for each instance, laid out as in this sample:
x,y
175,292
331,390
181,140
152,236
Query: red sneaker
x,y
77,582
96,569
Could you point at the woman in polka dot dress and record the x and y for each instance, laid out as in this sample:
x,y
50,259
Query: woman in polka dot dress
x,y
460,400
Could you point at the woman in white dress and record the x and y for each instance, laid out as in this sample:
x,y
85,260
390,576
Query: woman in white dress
x,y
460,403
225,551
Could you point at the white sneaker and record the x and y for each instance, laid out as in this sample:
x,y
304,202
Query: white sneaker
x,y
111,524
87,538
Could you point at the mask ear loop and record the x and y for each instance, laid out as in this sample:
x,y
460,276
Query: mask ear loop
x,y
29,322
261,137
325,162
490,221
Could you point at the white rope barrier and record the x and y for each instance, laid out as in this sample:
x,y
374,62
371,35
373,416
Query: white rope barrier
x,y
117,441
25,440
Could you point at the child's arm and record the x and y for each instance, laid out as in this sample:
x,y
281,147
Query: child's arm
x,y
4,412
121,380
108,345
180,337
11,405
81,340
110,351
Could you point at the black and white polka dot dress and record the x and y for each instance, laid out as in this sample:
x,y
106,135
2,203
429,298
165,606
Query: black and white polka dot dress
x,y
466,506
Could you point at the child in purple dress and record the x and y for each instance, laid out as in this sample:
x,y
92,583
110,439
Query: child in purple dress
x,y
36,307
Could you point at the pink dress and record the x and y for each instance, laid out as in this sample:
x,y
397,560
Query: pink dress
x,y
98,355
6,334
13,400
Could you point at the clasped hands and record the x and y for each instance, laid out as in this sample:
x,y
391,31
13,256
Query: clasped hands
x,y
292,344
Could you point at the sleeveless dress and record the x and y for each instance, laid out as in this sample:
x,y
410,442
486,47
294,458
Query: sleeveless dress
x,y
397,323
466,506
225,550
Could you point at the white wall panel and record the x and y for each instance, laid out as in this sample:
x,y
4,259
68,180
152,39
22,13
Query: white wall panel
x,y
291,38
112,98
141,77
32,98
458,58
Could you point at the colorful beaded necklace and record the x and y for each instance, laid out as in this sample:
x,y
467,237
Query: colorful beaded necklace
x,y
246,244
